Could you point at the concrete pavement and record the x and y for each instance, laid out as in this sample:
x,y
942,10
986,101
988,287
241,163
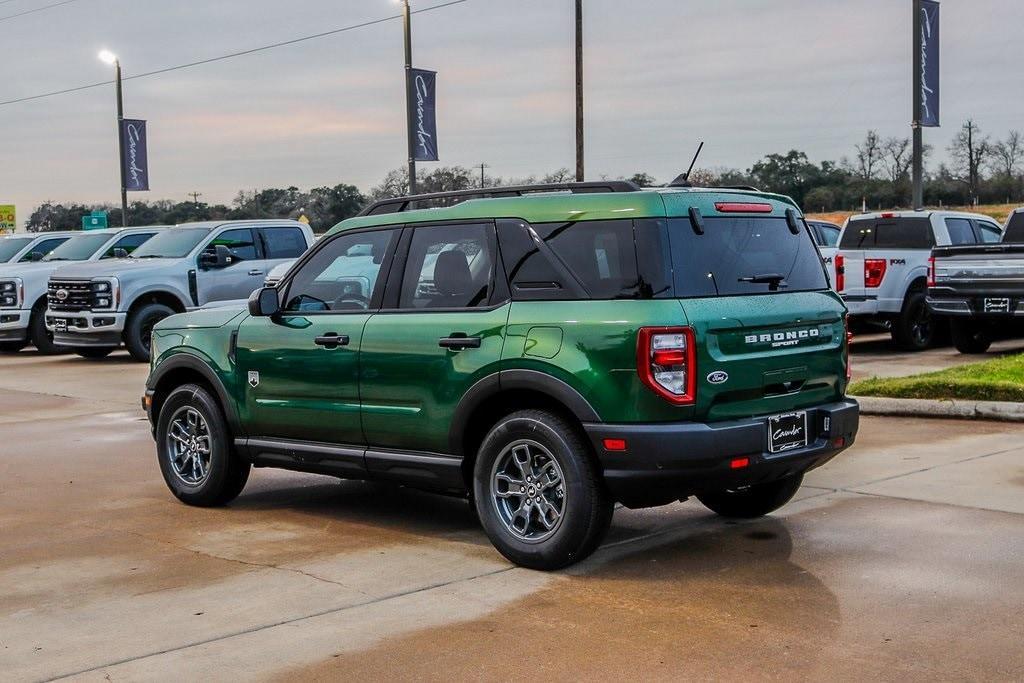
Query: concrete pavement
x,y
899,560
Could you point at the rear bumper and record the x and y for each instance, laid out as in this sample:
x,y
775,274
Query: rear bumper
x,y
974,307
87,328
666,462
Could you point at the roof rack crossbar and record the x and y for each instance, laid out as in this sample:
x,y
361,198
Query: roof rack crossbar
x,y
408,203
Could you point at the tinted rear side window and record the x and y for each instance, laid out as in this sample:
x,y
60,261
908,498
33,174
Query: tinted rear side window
x,y
960,231
283,242
615,259
1015,228
888,233
732,249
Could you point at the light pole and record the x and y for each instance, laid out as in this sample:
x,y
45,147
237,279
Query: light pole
x,y
108,57
579,91
409,123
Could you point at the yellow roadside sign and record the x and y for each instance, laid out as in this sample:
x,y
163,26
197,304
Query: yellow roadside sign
x,y
8,222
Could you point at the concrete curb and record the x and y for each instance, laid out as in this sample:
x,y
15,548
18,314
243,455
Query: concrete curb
x,y
1004,411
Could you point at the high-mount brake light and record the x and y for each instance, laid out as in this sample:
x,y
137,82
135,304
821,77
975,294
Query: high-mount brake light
x,y
742,207
666,361
840,262
888,214
874,271
931,271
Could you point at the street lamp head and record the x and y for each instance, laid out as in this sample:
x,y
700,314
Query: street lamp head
x,y
107,57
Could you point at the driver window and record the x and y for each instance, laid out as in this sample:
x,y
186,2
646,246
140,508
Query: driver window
x,y
239,241
342,276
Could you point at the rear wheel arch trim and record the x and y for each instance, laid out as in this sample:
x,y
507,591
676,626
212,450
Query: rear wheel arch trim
x,y
506,380
195,364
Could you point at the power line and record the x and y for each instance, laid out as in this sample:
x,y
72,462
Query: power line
x,y
36,9
232,55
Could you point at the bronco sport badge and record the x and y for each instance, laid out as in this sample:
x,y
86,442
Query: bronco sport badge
x,y
777,339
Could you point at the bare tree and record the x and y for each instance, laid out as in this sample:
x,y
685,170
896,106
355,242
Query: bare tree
x,y
969,152
869,154
1008,154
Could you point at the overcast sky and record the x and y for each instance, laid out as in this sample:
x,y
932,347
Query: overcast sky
x,y
750,77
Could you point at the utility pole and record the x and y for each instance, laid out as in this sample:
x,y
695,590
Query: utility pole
x,y
483,180
195,197
407,27
579,91
918,151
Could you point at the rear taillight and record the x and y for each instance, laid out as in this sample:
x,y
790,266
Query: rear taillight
x,y
849,339
874,272
840,261
931,271
666,362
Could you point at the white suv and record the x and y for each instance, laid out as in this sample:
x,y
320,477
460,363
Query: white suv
x,y
882,268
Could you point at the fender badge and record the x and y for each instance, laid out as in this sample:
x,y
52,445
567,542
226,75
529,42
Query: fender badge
x,y
718,377
254,379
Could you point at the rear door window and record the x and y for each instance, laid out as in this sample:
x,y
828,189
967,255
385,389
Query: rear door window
x,y
449,266
737,256
826,235
960,231
283,242
1015,228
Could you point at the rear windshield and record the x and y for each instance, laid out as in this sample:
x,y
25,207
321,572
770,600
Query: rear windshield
x,y
888,233
78,248
173,243
9,246
1015,228
743,256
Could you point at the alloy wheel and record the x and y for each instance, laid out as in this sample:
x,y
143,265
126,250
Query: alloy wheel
x,y
528,491
189,446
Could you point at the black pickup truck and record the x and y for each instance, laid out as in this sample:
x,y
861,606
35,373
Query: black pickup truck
x,y
981,287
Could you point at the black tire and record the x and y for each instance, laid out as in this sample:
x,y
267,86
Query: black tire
x,y
224,473
40,337
13,347
94,351
586,507
752,501
970,337
914,329
139,328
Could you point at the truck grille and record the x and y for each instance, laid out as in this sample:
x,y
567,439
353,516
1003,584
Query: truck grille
x,y
69,295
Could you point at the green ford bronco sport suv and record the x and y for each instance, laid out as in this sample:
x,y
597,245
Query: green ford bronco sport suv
x,y
547,351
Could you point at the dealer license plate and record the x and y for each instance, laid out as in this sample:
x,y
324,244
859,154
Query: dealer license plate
x,y
787,432
997,305
60,324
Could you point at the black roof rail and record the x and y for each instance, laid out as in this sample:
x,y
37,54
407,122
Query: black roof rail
x,y
401,204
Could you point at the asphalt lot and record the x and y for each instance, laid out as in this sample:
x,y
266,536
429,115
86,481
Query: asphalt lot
x,y
899,560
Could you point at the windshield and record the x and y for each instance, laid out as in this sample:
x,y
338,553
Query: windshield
x,y
173,243
78,248
743,256
9,246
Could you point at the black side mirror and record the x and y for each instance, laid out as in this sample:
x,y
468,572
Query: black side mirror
x,y
264,303
36,256
220,258
120,253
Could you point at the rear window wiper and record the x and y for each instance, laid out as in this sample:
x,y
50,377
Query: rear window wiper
x,y
773,280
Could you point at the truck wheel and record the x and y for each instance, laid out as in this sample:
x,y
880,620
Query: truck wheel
x,y
538,492
139,329
752,501
12,347
971,337
194,447
94,351
913,330
42,338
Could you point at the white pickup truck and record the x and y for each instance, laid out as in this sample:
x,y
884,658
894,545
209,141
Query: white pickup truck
x,y
881,270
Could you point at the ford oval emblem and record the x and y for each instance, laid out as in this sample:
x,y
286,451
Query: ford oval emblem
x,y
718,377
62,294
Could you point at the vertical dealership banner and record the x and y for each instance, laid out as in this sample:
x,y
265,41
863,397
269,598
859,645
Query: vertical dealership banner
x,y
929,114
136,159
424,113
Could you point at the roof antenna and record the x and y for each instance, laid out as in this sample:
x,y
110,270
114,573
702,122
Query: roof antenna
x,y
684,179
